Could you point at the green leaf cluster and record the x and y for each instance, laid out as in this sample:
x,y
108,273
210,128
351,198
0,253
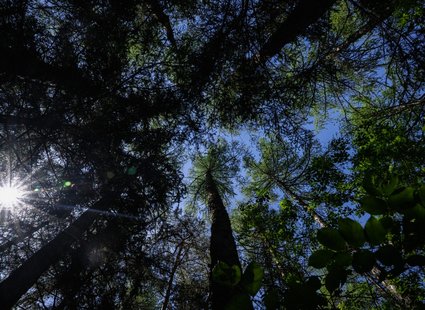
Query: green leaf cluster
x,y
244,284
391,241
304,295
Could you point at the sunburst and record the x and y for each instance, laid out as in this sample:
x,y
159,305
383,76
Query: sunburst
x,y
12,194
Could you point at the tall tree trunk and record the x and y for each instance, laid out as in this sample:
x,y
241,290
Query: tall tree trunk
x,y
222,244
22,278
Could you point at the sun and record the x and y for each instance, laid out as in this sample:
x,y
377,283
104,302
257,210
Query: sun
x,y
11,196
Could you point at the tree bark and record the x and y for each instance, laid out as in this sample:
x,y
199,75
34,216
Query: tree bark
x,y
222,244
176,264
305,14
317,217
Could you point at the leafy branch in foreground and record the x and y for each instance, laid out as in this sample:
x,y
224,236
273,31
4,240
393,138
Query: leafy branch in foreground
x,y
245,284
389,246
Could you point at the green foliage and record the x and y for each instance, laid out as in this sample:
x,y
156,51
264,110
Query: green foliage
x,y
351,231
279,164
393,242
304,295
226,275
401,199
363,261
375,231
388,152
221,161
320,258
343,20
331,238
248,283
335,278
373,205
421,194
389,187
326,177
252,278
416,260
269,236
342,259
105,94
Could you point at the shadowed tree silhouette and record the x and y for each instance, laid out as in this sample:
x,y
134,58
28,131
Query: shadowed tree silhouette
x,y
212,175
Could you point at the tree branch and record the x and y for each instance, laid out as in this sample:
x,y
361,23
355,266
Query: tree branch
x,y
304,15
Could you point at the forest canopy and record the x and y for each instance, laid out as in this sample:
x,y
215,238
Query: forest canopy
x,y
215,154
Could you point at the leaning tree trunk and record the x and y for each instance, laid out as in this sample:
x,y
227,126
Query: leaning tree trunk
x,y
23,278
114,237
222,243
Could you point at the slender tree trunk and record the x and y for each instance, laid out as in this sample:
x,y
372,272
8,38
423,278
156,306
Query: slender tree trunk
x,y
222,244
176,264
24,277
319,219
274,259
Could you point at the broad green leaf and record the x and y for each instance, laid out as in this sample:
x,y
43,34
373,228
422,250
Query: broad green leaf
x,y
375,231
271,300
320,258
421,195
343,259
252,277
236,274
302,296
416,260
335,279
363,261
417,213
313,283
220,274
239,302
390,225
226,275
373,205
402,199
389,255
389,187
352,232
369,186
331,239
